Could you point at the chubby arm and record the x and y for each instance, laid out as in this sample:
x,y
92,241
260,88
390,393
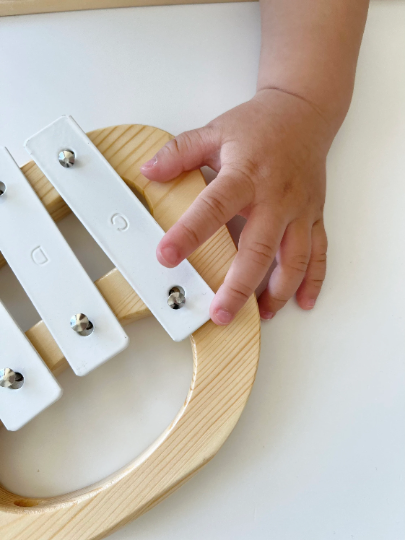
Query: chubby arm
x,y
270,155
310,49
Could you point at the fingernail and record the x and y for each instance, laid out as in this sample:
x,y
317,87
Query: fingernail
x,y
310,304
149,164
170,255
267,315
223,316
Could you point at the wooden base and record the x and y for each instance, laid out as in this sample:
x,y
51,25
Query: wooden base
x,y
225,363
26,7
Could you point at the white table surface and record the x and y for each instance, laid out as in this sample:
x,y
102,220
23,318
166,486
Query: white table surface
x,y
318,452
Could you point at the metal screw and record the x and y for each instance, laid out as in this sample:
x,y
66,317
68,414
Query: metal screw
x,y
3,188
11,379
67,158
80,323
177,297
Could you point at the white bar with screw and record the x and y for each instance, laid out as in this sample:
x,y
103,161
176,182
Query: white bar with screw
x,y
121,225
51,275
39,390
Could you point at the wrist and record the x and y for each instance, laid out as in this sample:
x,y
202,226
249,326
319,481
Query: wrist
x,y
310,49
331,101
298,112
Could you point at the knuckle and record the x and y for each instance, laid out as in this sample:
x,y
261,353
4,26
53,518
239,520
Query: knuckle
x,y
239,291
316,275
186,146
217,205
245,173
322,244
278,299
251,168
298,263
187,141
319,259
199,136
261,253
172,148
316,283
190,234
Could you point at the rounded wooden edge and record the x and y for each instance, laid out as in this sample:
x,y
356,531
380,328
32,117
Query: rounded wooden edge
x,y
225,363
27,7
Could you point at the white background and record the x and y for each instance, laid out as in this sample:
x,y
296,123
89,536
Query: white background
x,y
318,452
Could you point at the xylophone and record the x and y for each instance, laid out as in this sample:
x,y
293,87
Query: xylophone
x,y
97,176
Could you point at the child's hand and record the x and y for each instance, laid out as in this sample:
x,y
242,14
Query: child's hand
x,y
270,154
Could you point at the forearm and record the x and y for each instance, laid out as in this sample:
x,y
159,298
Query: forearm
x,y
310,49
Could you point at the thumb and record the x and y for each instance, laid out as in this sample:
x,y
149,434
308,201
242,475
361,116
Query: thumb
x,y
188,151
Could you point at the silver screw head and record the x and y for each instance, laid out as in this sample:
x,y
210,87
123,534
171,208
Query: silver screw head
x,y
11,379
81,324
3,188
67,158
177,297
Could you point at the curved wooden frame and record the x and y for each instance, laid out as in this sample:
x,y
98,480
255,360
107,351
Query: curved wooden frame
x,y
26,7
225,363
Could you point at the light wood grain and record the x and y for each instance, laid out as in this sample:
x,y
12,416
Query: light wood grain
x,y
26,7
225,363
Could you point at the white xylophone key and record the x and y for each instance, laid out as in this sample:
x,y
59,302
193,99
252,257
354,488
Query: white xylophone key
x,y
53,278
121,225
35,388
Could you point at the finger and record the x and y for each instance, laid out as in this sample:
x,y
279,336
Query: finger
x,y
188,151
292,263
214,207
258,245
311,286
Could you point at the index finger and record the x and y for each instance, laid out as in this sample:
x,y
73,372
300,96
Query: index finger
x,y
214,207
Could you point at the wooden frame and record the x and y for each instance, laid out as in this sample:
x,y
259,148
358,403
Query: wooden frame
x,y
225,363
26,7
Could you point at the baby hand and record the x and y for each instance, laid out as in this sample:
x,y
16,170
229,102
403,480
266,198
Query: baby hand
x,y
270,155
